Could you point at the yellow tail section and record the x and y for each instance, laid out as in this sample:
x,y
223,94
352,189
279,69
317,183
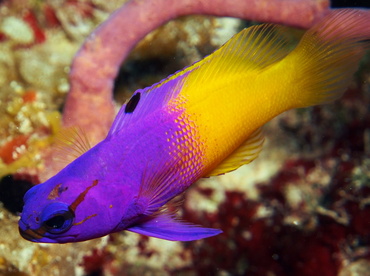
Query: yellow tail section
x,y
327,57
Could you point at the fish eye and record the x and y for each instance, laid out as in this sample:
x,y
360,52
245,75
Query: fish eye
x,y
57,218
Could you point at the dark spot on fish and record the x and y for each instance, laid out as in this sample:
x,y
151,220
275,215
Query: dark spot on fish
x,y
132,103
12,191
62,189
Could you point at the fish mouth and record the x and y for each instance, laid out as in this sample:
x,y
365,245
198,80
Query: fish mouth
x,y
31,235
38,235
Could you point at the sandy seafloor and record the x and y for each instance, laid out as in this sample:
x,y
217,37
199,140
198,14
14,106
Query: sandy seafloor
x,y
302,208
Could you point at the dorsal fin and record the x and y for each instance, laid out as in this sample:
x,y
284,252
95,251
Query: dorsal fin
x,y
252,49
245,154
257,47
69,144
146,101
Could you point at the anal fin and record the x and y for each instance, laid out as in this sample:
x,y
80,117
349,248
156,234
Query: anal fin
x,y
245,154
166,226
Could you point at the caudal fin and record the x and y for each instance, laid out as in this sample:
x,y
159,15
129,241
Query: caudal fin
x,y
329,54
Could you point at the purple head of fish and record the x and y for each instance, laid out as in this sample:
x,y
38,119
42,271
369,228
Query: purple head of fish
x,y
87,199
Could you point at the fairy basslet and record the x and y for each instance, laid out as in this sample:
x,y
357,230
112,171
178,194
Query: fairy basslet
x,y
204,120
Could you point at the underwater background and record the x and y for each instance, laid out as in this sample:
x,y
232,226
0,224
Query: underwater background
x,y
301,208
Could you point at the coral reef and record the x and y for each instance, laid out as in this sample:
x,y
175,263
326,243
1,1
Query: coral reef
x,y
37,44
301,208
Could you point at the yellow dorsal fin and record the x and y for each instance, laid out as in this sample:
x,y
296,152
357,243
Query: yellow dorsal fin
x,y
245,154
69,144
254,48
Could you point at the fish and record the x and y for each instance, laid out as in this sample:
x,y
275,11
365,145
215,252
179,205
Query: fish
x,y
203,121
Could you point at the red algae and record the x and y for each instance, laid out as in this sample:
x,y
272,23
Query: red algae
x,y
264,246
11,150
30,18
94,263
29,96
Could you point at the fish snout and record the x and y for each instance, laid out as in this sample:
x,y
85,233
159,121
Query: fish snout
x,y
29,234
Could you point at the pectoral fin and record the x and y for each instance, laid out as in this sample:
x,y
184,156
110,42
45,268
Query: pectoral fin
x,y
69,144
166,226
